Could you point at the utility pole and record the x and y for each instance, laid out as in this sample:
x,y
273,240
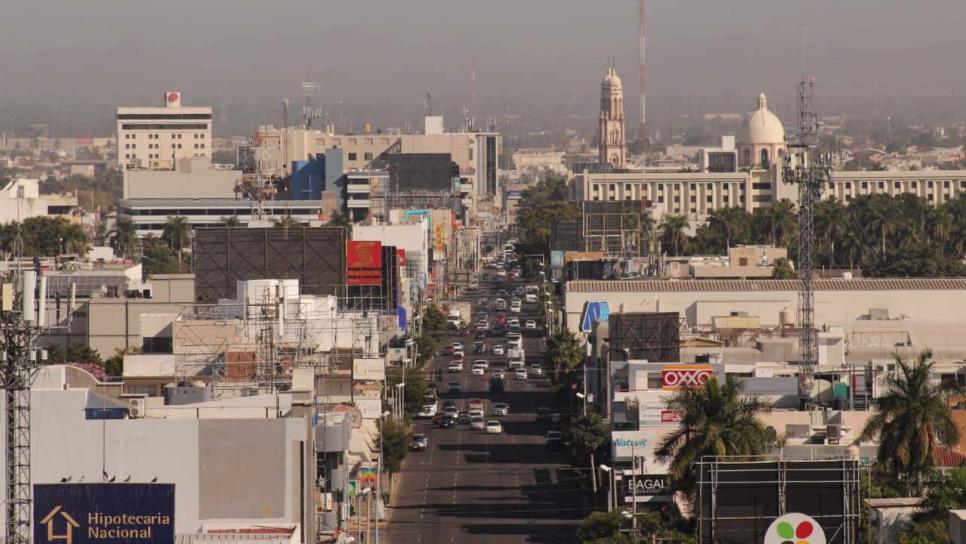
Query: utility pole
x,y
805,166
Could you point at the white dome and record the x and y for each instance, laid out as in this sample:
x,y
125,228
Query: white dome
x,y
763,126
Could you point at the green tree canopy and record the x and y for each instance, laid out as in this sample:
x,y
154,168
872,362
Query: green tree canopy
x,y
584,435
716,420
395,444
913,422
563,353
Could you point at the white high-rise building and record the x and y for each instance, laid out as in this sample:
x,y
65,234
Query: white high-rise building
x,y
156,137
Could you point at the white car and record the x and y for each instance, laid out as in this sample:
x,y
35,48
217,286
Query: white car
x,y
530,297
499,350
530,324
516,308
501,409
485,364
536,370
513,321
475,412
477,424
427,411
456,366
493,427
520,374
478,370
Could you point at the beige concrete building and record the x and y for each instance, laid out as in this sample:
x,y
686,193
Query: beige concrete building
x,y
193,177
878,317
156,137
114,322
475,153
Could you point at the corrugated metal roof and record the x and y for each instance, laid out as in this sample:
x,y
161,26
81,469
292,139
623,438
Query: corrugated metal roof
x,y
685,286
219,538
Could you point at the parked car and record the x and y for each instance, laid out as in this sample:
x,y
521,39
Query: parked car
x,y
419,442
501,409
493,427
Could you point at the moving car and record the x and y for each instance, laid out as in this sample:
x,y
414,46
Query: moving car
x,y
477,424
419,442
520,374
456,366
498,373
493,427
530,297
474,403
454,387
501,409
458,357
530,324
427,411
479,347
553,439
536,369
447,422
499,350
478,370
450,412
484,362
475,412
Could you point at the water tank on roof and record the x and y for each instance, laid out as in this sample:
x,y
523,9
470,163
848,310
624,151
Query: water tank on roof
x,y
786,318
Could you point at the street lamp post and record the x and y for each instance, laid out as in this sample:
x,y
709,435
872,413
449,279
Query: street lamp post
x,y
611,492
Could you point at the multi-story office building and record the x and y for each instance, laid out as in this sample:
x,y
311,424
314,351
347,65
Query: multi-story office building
x,y
155,137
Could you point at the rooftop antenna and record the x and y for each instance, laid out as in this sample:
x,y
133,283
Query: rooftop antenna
x,y
428,104
309,88
472,115
645,141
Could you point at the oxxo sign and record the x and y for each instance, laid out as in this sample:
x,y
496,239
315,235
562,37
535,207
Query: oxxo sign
x,y
674,377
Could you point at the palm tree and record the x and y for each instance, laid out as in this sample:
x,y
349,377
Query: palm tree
x,y
939,226
563,353
716,420
782,222
831,225
231,221
125,238
733,223
673,232
177,234
914,420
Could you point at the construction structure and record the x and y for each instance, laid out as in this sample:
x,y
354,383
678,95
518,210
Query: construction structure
x,y
22,315
612,228
811,171
739,497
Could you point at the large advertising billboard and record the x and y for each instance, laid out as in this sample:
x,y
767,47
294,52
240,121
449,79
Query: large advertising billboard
x,y
104,513
675,377
363,263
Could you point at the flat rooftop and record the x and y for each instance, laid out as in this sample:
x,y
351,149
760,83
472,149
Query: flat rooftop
x,y
766,285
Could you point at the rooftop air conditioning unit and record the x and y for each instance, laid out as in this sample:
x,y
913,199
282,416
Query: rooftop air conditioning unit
x,y
135,408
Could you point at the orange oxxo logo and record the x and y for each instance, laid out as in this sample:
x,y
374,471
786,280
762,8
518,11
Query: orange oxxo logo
x,y
674,377
795,529
60,525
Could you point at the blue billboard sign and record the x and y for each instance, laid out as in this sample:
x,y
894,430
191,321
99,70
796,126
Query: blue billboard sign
x,y
104,513
593,312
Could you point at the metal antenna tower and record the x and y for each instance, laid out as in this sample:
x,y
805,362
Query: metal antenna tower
x,y
308,113
643,35
18,330
805,166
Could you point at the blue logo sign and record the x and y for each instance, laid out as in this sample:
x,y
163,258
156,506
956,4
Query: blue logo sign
x,y
595,311
103,513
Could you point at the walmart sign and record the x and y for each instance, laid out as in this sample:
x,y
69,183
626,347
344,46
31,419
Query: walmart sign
x,y
593,312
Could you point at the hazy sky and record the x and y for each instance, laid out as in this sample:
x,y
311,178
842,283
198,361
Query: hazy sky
x,y
540,55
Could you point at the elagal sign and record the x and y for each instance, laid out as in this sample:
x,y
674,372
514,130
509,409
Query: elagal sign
x,y
674,377
648,485
103,513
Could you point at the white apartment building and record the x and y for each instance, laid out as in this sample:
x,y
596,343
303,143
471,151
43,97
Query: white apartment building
x,y
155,137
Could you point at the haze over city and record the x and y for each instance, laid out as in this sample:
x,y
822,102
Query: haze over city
x,y
534,59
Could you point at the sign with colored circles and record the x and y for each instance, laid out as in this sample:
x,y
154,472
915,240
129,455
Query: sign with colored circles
x,y
795,529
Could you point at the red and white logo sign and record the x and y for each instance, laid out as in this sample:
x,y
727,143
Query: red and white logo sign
x,y
670,416
674,377
172,98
